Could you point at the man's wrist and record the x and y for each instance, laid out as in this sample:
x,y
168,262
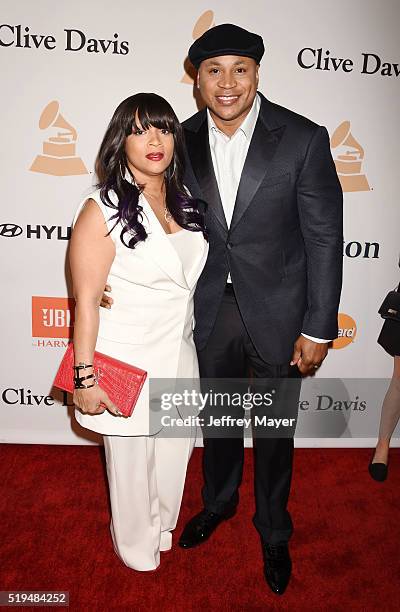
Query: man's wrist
x,y
317,340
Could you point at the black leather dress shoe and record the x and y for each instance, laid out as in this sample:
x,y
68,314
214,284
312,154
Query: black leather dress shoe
x,y
277,567
378,471
201,526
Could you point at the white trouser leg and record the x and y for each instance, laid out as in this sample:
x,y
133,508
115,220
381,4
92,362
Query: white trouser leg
x,y
135,525
172,457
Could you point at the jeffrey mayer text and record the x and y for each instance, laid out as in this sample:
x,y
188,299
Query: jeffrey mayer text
x,y
225,421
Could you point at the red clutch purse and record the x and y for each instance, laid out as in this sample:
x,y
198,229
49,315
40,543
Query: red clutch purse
x,y
122,382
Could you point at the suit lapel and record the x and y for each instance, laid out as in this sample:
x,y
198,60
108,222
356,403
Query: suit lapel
x,y
198,148
262,149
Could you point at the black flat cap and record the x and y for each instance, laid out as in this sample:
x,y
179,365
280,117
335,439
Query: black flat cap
x,y
226,39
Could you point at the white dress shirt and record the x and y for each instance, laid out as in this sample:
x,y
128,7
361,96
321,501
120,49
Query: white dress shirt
x,y
228,154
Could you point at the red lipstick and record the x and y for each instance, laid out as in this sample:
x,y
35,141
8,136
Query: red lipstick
x,y
155,156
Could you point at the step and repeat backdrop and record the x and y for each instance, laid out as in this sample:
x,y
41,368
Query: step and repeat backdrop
x,y
66,66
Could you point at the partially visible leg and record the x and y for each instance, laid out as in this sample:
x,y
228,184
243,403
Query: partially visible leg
x,y
389,416
273,455
223,457
135,523
273,460
172,457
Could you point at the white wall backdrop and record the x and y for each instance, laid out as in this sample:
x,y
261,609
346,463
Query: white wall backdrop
x,y
337,63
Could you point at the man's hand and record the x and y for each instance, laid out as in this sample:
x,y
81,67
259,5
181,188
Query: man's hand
x,y
308,355
106,300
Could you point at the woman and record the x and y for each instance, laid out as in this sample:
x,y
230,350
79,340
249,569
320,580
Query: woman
x,y
389,339
142,233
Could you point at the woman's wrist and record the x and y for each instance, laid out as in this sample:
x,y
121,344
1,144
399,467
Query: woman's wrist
x,y
84,377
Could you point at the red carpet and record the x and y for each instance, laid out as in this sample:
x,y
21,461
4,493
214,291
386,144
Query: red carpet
x,y
54,535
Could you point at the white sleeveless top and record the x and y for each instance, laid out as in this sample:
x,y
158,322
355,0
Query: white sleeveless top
x,y
151,321
182,241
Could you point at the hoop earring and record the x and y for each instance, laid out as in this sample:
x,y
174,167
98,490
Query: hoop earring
x,y
171,170
127,175
122,171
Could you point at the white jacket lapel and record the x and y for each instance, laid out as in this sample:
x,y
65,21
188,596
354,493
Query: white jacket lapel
x,y
196,270
159,247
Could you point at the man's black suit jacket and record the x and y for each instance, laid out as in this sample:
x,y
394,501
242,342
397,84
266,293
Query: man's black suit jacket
x,y
284,246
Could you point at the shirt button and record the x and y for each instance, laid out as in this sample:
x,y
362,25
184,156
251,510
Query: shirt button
x,y
229,245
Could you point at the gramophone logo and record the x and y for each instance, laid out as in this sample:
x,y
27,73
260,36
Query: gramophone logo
x,y
349,156
204,23
59,150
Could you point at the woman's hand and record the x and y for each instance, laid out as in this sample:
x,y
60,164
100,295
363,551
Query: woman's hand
x,y
106,300
94,401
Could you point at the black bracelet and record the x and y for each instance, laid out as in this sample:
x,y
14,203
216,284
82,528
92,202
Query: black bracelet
x,y
81,366
78,382
84,386
78,379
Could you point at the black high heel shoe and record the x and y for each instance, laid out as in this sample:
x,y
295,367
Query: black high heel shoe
x,y
378,471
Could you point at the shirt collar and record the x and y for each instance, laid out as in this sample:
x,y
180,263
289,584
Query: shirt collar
x,y
249,122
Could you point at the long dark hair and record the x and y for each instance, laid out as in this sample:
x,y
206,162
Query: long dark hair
x,y
112,169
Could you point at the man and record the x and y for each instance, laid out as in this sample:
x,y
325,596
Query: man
x,y
268,297
269,294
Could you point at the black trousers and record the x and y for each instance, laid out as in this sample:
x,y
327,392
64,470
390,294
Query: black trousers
x,y
229,353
